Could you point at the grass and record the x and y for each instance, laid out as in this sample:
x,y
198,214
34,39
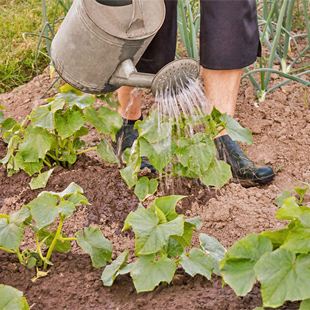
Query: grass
x,y
17,57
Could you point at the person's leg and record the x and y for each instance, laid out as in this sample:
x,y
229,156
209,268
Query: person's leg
x,y
160,52
229,41
130,102
221,89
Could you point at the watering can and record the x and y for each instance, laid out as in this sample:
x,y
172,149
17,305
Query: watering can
x,y
100,41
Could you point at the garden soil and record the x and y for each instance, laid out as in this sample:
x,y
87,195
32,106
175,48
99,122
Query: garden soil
x,y
280,127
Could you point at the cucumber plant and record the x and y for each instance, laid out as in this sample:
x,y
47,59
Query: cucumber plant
x,y
161,238
42,212
169,148
279,260
51,134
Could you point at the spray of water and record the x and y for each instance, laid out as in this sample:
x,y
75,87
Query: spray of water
x,y
180,99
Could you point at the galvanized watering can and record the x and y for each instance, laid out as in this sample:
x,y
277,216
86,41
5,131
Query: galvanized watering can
x,y
100,41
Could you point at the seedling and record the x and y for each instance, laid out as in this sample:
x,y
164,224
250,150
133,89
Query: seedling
x,y
51,134
42,212
171,150
279,259
161,238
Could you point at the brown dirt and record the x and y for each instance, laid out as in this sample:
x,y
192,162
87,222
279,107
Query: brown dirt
x,y
280,127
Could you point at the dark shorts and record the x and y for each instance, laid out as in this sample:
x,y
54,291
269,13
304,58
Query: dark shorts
x,y
229,37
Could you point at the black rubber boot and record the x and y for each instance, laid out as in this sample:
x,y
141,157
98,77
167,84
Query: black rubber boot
x,y
244,170
125,138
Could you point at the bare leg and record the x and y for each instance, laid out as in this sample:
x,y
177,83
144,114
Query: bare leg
x,y
221,88
130,100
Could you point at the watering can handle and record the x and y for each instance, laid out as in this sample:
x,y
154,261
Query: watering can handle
x,y
115,2
136,26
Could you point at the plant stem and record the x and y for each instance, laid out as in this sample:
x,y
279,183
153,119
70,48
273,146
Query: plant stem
x,y
67,239
19,256
51,248
38,246
47,163
6,250
90,149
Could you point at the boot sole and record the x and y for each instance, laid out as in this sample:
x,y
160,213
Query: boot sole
x,y
253,182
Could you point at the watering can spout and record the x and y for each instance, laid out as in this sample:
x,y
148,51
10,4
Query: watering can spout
x,y
175,76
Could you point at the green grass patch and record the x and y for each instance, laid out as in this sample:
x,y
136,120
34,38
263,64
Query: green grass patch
x,y
17,57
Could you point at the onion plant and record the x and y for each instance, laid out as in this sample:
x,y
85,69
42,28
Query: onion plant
x,y
48,30
188,25
275,18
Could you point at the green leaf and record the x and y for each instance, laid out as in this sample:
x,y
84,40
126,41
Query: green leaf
x,y
290,210
129,174
153,131
48,237
37,142
145,187
159,153
217,174
305,304
106,152
1,117
276,237
96,245
179,170
237,267
186,239
14,141
110,272
75,98
280,198
12,229
15,130
43,117
196,221
298,240
83,131
68,156
12,299
213,248
68,123
56,105
197,262
236,131
7,124
301,192
174,248
72,189
283,277
44,209
105,120
196,154
167,204
148,273
68,88
151,236
41,180
78,199
29,168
